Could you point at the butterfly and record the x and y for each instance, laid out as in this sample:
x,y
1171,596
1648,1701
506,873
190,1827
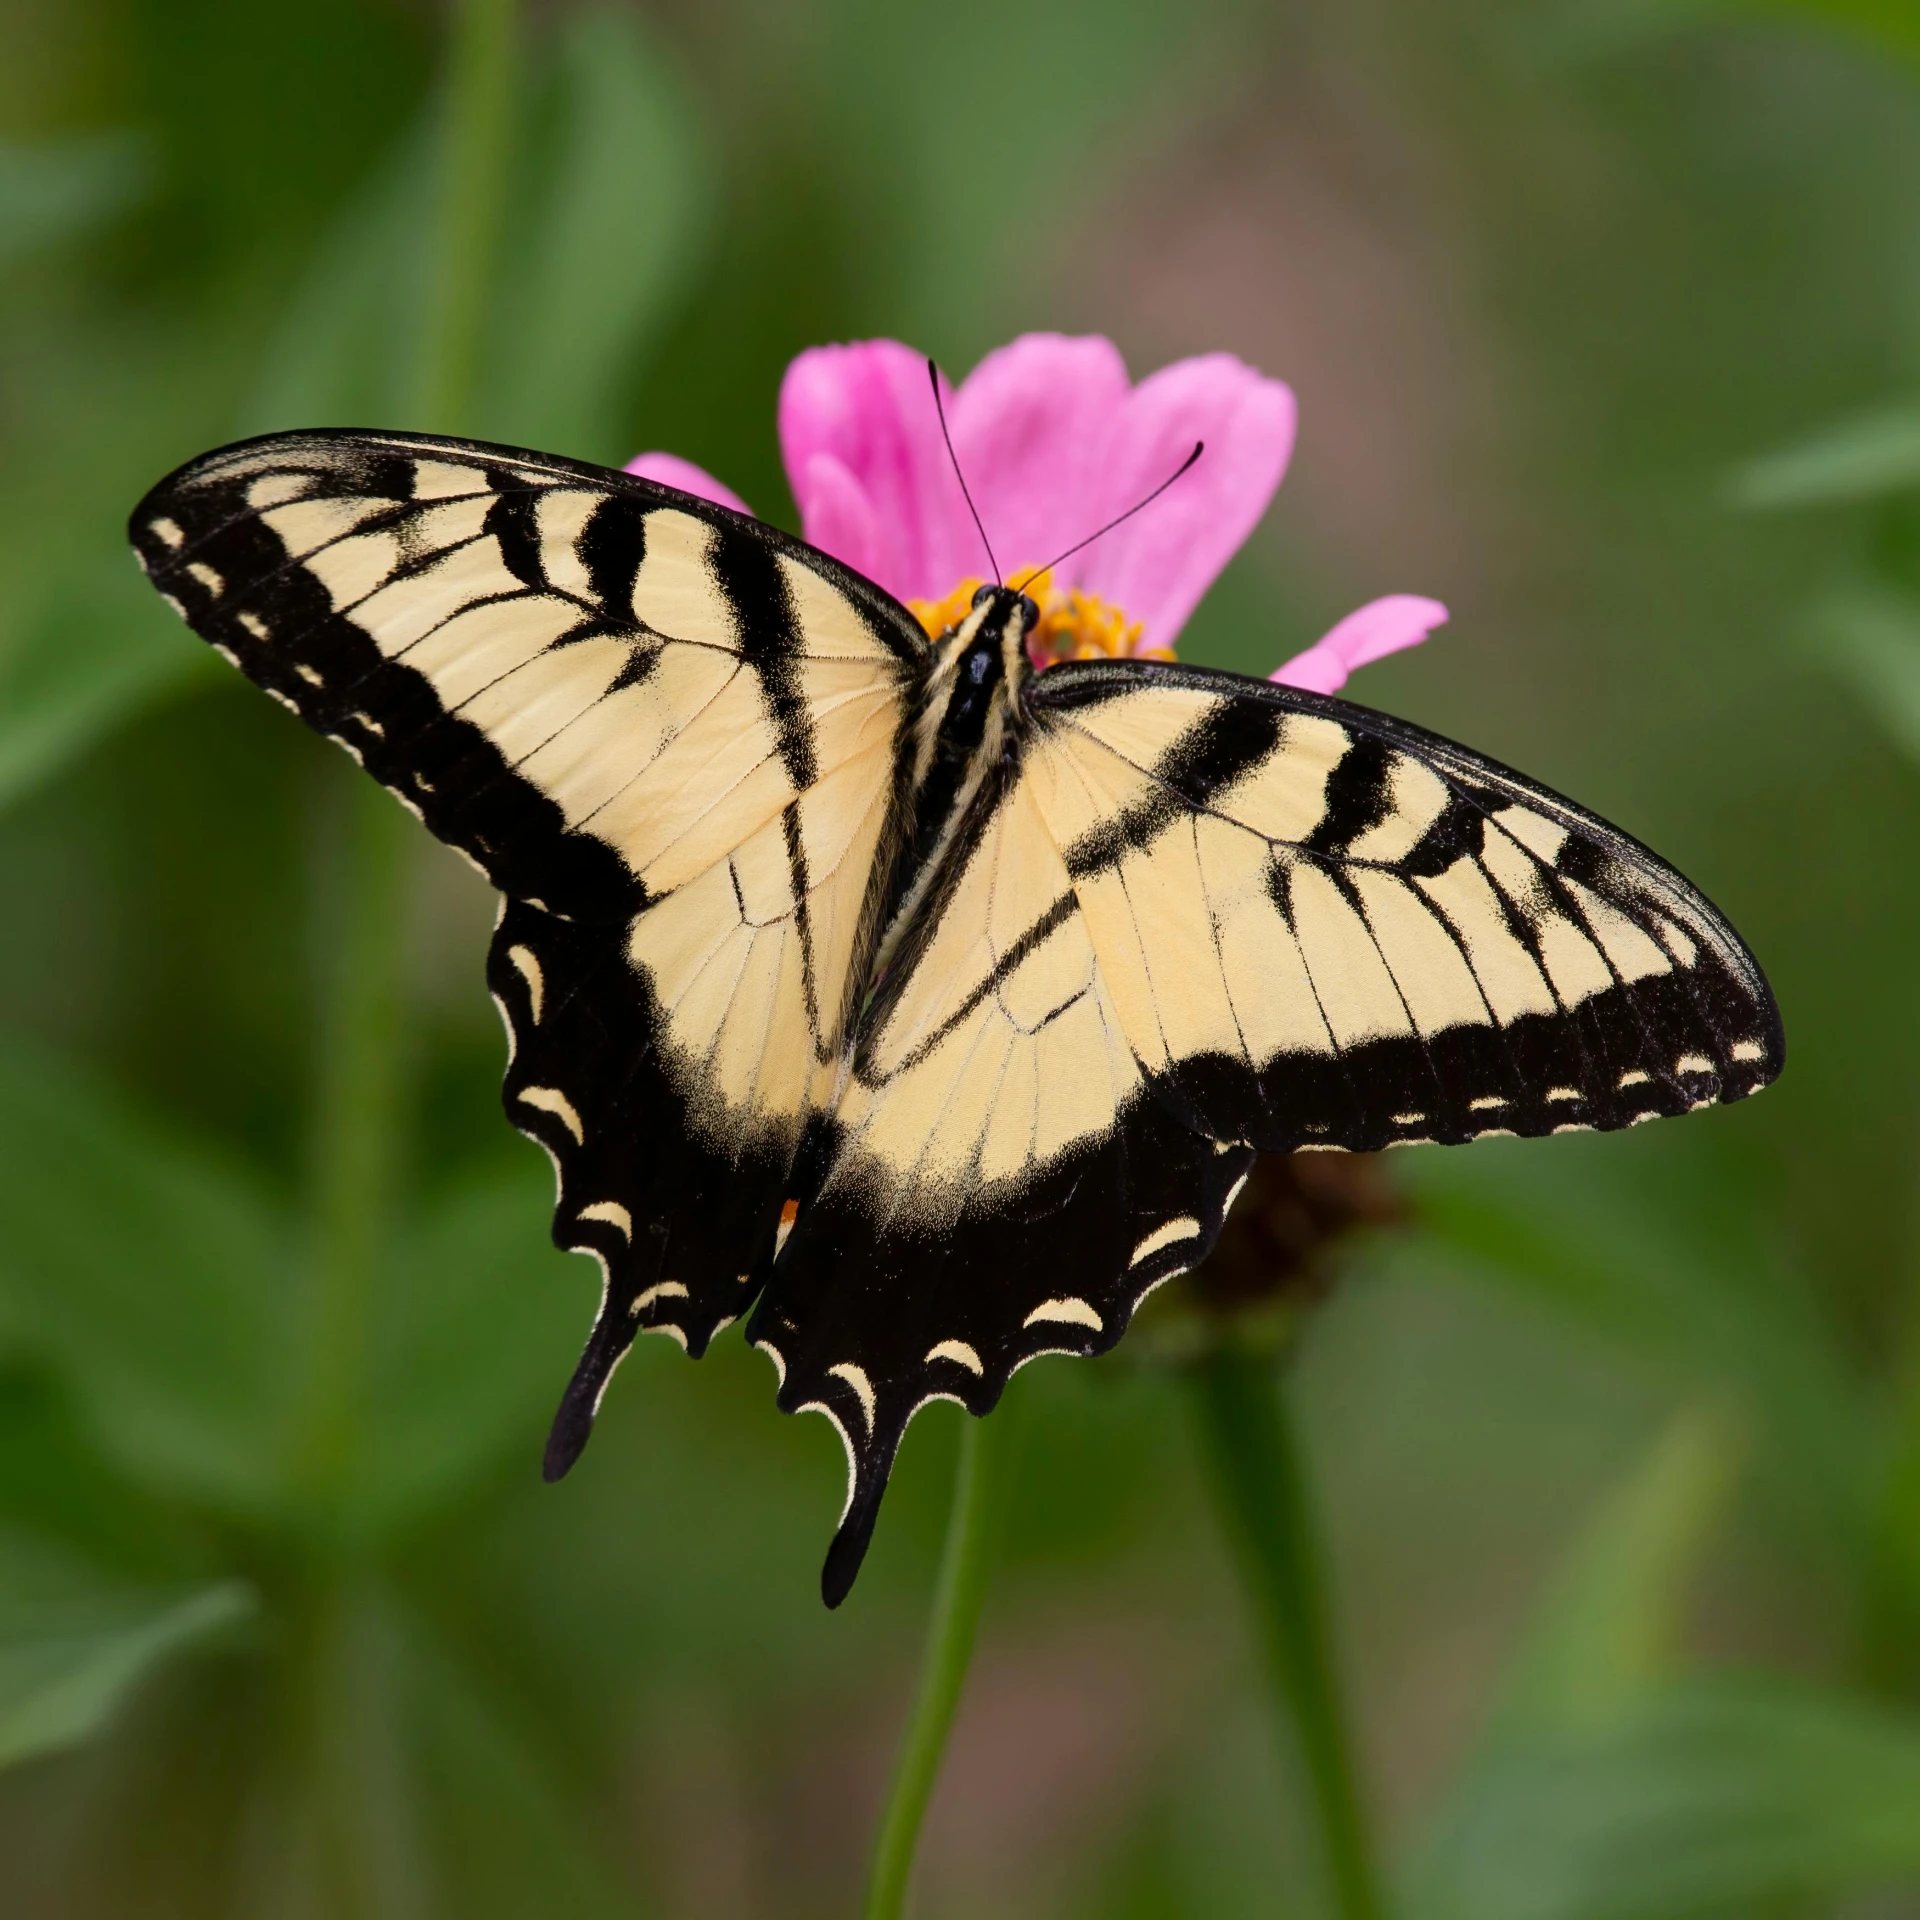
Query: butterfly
x,y
925,1009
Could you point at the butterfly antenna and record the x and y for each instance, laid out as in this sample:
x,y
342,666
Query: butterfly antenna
x,y
939,407
1199,447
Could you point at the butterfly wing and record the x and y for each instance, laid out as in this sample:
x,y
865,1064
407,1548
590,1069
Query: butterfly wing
x,y
1206,914
1324,927
668,734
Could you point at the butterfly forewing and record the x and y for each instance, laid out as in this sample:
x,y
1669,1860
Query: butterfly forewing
x,y
1322,927
667,734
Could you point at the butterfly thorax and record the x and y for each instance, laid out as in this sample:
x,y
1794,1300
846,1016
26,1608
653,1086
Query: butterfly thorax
x,y
965,732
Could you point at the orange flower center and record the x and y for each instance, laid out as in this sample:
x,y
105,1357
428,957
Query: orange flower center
x,y
1073,625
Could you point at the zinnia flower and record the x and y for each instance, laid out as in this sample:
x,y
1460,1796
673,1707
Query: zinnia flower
x,y
1055,441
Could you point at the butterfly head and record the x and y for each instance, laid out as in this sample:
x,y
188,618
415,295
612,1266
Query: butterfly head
x,y
988,648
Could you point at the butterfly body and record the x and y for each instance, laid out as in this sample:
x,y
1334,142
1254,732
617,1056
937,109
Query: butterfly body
x,y
921,1008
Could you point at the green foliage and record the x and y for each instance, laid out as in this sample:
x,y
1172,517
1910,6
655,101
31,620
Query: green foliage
x,y
1710,1798
154,1282
1868,638
1610,1786
93,653
1672,1257
1876,454
73,1646
1612,1624
609,199
62,190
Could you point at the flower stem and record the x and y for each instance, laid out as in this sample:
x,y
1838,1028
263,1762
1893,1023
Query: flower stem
x,y
1257,1477
360,1099
979,1489
359,1117
474,162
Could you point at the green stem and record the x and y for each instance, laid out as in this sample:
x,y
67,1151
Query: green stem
x,y
979,1489
360,1100
473,187
1257,1477
359,1118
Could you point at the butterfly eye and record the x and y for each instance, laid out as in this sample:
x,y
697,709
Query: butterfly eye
x,y
985,594
1029,612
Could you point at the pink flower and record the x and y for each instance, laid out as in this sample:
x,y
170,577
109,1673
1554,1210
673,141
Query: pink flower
x,y
1055,441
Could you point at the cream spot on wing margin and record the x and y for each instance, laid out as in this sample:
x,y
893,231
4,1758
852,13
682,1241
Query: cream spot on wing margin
x,y
1078,1312
552,1100
856,1378
959,1353
1183,1227
529,970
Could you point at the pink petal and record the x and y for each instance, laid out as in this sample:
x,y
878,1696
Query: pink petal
x,y
1029,424
1370,633
869,408
671,471
839,518
1160,563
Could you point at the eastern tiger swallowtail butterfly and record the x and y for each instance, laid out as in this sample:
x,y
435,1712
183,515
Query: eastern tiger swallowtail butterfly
x,y
927,1009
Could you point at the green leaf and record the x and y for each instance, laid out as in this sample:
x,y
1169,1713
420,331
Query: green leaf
x,y
479,1325
100,647
1894,24
1859,459
1597,28
345,354
510,1837
1869,638
603,244
63,189
1610,1627
152,1280
1717,1798
427,1787
73,1646
1666,1250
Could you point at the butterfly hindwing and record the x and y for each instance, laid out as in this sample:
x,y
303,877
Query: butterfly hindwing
x,y
1003,1179
871,1313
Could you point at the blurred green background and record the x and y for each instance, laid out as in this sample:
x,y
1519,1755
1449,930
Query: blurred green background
x,y
1605,322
